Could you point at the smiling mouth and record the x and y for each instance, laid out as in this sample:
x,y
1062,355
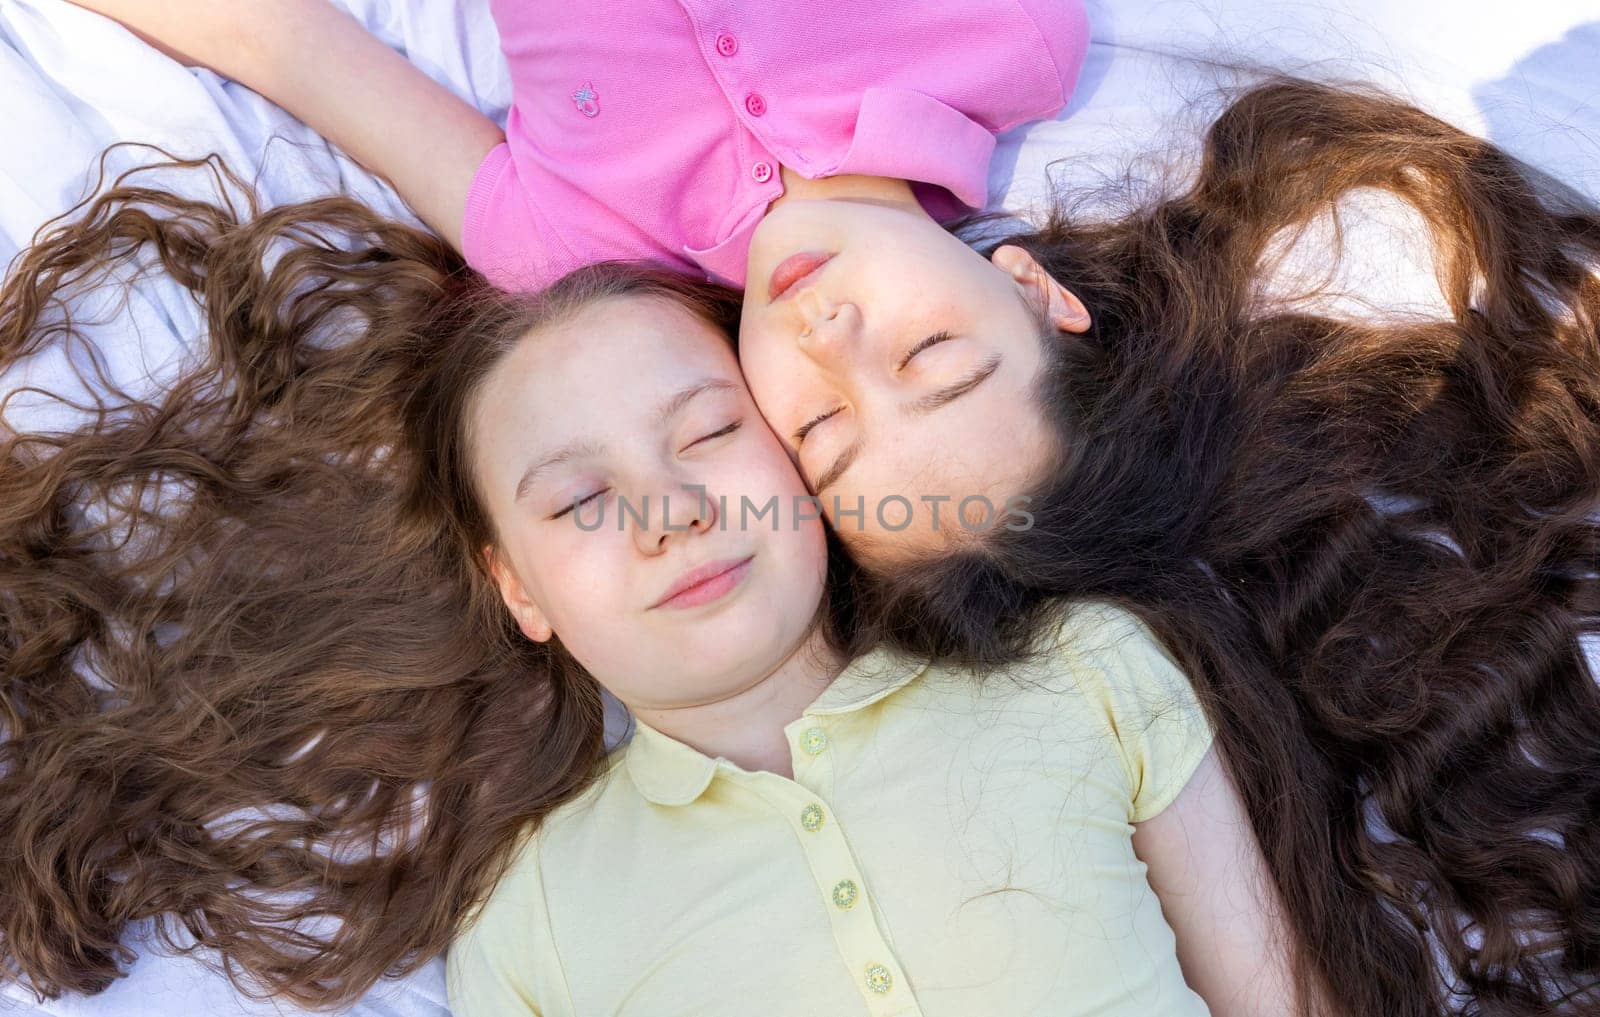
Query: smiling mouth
x,y
705,584
793,269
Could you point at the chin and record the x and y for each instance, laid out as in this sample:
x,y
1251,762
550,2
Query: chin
x,y
788,227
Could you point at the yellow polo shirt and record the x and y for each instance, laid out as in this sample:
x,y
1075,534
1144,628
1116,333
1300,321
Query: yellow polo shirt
x,y
948,847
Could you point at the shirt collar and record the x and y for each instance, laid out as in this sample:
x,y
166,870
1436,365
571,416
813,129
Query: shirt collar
x,y
912,136
668,772
898,133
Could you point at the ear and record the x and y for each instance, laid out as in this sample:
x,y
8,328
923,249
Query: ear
x,y
1066,311
530,618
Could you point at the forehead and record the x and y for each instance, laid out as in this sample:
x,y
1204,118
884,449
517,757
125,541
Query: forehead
x,y
601,367
608,334
621,351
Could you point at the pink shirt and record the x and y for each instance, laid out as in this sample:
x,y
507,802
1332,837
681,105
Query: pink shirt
x,y
654,129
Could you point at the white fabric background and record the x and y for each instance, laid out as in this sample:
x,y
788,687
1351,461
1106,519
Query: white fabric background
x,y
71,83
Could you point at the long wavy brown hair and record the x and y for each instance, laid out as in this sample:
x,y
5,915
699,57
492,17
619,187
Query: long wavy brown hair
x,y
1216,465
254,676
1372,545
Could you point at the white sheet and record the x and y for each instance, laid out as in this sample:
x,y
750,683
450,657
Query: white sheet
x,y
72,83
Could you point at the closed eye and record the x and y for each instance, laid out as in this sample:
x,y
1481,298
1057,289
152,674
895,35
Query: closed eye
x,y
715,434
932,340
805,428
581,501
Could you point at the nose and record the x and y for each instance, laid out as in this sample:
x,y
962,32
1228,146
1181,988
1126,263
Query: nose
x,y
677,512
830,332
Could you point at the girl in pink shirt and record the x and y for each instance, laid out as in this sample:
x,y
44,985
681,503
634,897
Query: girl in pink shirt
x,y
811,151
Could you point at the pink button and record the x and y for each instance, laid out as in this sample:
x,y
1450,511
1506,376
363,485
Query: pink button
x,y
727,45
755,104
762,171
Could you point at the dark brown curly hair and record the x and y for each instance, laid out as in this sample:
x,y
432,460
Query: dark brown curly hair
x,y
1373,546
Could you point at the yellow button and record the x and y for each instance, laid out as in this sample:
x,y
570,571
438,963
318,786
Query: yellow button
x,y
879,979
844,895
814,740
811,818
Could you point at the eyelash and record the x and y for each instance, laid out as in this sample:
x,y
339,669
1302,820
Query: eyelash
x,y
714,434
805,428
581,501
932,340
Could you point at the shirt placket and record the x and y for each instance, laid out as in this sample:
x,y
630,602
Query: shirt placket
x,y
845,893
728,63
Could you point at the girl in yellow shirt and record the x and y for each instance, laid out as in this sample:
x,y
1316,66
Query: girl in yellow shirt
x,y
785,837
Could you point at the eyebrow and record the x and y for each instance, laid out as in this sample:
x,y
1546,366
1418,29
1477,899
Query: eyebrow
x,y
684,396
919,407
842,463
564,454
673,405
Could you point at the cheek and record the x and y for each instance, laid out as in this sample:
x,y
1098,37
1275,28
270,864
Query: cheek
x,y
580,578
773,474
750,487
744,482
802,527
765,362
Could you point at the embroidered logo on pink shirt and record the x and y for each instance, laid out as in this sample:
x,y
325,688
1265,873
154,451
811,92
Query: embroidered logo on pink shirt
x,y
588,102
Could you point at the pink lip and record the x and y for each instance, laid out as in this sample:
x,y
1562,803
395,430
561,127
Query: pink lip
x,y
793,269
704,584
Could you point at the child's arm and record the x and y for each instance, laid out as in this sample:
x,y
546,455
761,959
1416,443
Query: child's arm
x,y
324,68
1216,893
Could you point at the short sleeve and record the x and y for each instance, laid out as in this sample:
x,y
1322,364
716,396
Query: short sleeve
x,y
492,966
504,235
1157,720
480,981
1063,27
